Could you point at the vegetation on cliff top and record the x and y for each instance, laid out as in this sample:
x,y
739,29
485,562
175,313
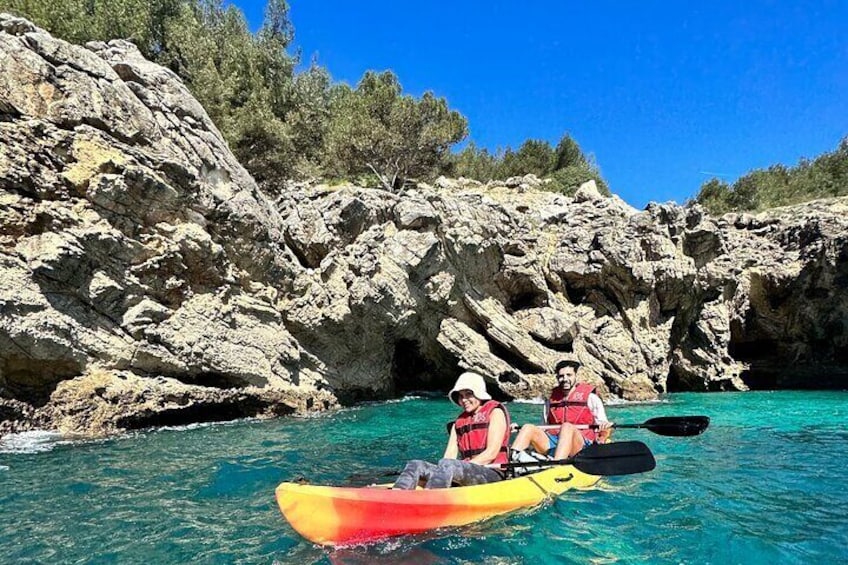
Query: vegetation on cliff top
x,y
566,165
823,177
281,123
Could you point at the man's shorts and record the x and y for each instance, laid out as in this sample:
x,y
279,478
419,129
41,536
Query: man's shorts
x,y
553,440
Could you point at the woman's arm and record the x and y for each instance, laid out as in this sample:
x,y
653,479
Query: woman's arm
x,y
451,449
494,438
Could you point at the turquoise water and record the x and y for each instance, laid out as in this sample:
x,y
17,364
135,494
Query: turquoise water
x,y
765,484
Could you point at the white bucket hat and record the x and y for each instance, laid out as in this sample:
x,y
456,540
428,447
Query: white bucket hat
x,y
469,381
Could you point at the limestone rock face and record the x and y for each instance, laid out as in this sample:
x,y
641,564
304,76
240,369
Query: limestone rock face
x,y
145,280
114,401
131,241
506,282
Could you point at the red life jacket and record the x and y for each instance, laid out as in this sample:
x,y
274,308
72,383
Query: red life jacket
x,y
556,406
472,432
573,409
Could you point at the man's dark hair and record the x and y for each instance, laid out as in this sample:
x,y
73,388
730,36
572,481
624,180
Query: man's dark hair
x,y
566,363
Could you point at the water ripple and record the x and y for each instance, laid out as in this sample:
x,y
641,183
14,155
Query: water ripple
x,y
763,485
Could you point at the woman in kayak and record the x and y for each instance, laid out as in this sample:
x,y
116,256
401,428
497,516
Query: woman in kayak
x,y
571,404
478,437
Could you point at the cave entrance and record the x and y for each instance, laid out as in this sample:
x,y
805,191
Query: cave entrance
x,y
412,371
751,351
677,381
760,380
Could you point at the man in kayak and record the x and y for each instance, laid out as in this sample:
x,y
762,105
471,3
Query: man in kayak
x,y
478,437
570,404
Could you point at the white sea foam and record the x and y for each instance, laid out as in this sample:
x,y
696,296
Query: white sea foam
x,y
4,467
409,397
623,402
322,414
38,441
35,441
201,425
404,399
536,400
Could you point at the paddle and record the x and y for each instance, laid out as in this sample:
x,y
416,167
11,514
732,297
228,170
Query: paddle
x,y
676,426
618,458
600,459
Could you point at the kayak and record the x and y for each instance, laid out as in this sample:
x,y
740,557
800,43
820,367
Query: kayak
x,y
329,515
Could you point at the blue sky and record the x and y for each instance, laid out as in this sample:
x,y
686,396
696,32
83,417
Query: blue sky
x,y
664,94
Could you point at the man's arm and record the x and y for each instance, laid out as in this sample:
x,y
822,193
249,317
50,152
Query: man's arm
x,y
596,407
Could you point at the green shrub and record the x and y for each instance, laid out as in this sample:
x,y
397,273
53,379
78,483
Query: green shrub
x,y
568,179
566,166
822,177
533,157
472,163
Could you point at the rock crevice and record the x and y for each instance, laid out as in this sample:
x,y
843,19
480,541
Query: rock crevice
x,y
146,280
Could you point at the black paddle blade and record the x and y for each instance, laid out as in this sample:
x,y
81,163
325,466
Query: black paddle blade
x,y
677,426
618,458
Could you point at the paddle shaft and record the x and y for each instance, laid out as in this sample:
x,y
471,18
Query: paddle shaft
x,y
679,426
587,426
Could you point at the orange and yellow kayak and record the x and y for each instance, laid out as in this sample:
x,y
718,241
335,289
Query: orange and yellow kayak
x,y
346,515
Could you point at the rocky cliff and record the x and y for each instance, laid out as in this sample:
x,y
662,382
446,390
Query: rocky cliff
x,y
145,280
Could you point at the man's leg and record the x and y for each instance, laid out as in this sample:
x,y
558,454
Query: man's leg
x,y
570,441
531,435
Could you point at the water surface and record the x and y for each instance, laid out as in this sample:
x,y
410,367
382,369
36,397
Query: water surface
x,y
765,484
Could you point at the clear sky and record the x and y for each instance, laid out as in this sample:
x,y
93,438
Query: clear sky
x,y
664,94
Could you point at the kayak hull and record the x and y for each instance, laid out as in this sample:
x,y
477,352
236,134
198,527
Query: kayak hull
x,y
345,515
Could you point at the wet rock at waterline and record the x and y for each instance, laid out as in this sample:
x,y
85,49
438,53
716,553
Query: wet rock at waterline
x,y
146,280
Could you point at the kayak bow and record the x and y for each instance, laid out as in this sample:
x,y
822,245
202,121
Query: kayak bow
x,y
346,515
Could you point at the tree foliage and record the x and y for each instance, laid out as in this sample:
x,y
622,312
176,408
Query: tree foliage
x,y
281,123
569,154
566,167
473,163
533,157
244,81
375,128
822,177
